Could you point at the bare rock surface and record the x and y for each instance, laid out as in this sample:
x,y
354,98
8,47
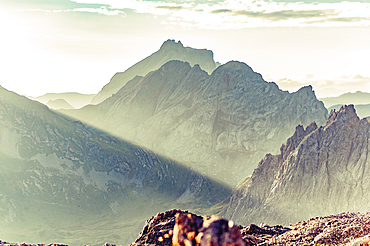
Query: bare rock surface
x,y
178,227
181,228
319,171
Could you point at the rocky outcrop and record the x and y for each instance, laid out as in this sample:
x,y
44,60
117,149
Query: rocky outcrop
x,y
220,124
362,110
170,50
319,171
56,174
178,227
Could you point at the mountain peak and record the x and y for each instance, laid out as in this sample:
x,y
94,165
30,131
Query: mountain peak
x,y
171,43
345,113
170,50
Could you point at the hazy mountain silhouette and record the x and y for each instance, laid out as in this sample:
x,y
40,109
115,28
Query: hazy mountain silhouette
x,y
346,99
319,171
59,104
170,50
220,124
76,100
63,182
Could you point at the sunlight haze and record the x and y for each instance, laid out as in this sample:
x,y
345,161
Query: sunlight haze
x,y
77,46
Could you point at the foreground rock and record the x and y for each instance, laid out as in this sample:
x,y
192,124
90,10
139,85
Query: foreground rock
x,y
320,170
181,228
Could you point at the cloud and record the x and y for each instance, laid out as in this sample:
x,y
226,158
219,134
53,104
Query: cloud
x,y
287,14
217,11
102,10
236,14
169,7
326,87
340,19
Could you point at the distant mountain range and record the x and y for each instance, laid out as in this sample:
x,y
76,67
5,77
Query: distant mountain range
x,y
170,50
74,99
61,181
220,124
347,98
361,101
59,104
319,171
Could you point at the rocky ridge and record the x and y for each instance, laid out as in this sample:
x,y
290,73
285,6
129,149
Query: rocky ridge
x,y
319,171
170,50
220,124
178,227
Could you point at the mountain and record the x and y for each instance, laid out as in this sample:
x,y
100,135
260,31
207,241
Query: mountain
x,y
220,124
319,171
58,104
61,181
362,110
170,50
347,98
76,100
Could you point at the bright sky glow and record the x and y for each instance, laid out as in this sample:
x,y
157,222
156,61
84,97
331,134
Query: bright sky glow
x,y
63,45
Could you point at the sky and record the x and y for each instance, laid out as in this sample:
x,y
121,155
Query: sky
x,y
78,45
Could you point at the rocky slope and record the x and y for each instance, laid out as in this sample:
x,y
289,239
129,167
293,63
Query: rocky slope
x,y
319,171
170,50
63,182
221,124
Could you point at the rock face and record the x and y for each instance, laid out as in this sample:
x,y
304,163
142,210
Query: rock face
x,y
319,171
362,110
221,124
178,227
57,175
170,50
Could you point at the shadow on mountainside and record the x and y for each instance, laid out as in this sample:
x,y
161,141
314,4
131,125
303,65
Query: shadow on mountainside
x,y
64,182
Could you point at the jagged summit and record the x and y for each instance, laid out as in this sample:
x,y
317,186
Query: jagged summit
x,y
170,50
319,171
171,44
345,113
